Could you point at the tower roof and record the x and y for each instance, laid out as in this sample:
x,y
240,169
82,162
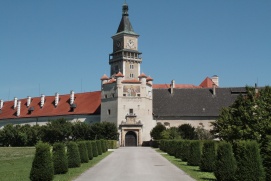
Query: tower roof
x,y
125,26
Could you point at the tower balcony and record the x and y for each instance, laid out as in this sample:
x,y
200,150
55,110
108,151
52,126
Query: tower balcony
x,y
132,56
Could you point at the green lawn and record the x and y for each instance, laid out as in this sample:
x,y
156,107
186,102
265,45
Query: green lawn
x,y
193,171
15,164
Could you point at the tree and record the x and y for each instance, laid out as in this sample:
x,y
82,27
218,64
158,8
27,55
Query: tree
x,y
208,157
187,132
156,131
60,158
249,118
171,133
104,130
73,154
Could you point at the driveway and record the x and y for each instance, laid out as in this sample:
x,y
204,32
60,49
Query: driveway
x,y
134,164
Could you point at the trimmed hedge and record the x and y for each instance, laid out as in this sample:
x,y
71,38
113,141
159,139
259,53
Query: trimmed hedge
x,y
99,147
194,153
83,151
94,148
111,144
184,150
103,146
73,154
42,165
225,166
89,149
208,157
249,162
60,158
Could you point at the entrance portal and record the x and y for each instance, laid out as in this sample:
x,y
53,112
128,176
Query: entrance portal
x,y
130,139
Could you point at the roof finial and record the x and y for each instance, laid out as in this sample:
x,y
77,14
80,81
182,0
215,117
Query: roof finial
x,y
125,9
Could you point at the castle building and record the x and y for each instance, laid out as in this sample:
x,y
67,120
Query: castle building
x,y
127,98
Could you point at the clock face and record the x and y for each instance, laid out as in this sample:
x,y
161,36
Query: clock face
x,y
118,44
130,43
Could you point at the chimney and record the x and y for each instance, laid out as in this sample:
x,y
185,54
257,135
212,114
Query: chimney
x,y
19,108
28,101
214,89
56,99
215,80
1,103
72,97
15,102
172,86
42,100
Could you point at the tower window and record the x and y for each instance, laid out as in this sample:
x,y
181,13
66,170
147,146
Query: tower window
x,y
108,111
131,111
131,66
131,75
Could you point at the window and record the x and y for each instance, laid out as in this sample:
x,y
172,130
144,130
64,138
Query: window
x,y
131,75
108,111
131,66
131,111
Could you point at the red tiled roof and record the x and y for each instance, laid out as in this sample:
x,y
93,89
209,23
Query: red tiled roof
x,y
119,75
104,77
111,81
177,86
86,103
149,78
142,75
207,83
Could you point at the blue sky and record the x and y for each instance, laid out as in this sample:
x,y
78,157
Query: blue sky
x,y
50,46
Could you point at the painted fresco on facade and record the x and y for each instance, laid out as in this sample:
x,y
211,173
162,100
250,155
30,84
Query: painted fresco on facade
x,y
131,90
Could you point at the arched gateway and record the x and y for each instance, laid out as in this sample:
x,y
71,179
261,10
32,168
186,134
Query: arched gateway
x,y
130,139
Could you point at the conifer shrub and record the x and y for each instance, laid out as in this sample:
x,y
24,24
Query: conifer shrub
x,y
194,153
73,154
208,157
184,150
266,156
103,146
162,145
89,149
99,147
60,158
42,165
178,149
111,144
94,148
225,165
83,151
249,162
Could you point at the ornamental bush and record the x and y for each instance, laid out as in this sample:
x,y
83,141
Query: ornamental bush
x,y
184,150
73,154
83,151
111,144
208,157
103,146
94,148
42,165
194,153
225,165
249,162
99,147
89,149
60,158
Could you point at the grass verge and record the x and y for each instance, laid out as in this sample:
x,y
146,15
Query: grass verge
x,y
75,172
16,162
193,171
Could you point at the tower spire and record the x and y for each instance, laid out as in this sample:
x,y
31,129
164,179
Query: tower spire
x,y
125,25
125,9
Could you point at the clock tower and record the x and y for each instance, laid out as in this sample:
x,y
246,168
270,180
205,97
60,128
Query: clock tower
x,y
125,57
126,95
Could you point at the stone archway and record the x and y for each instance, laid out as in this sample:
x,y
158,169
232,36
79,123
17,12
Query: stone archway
x,y
130,139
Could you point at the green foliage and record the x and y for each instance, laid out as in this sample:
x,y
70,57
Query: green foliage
x,y
42,166
265,152
73,154
111,144
104,130
56,131
83,151
19,135
156,132
187,132
81,131
99,147
89,149
194,156
225,165
249,163
171,133
60,158
203,134
208,157
104,145
94,148
184,150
